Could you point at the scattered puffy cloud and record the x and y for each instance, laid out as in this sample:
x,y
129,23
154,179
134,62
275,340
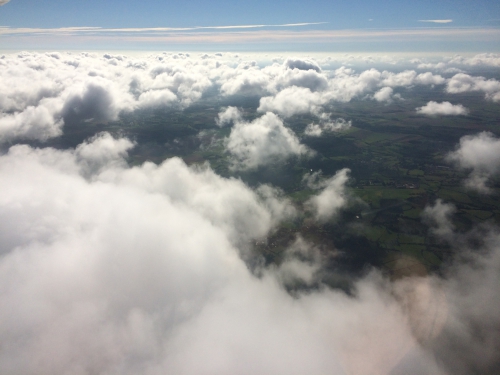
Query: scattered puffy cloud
x,y
343,87
249,78
482,59
292,101
3,2
33,122
438,217
444,109
333,196
262,141
302,64
434,66
301,265
481,154
458,63
440,66
326,124
101,151
383,95
462,82
229,115
39,92
430,79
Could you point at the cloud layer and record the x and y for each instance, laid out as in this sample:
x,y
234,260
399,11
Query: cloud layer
x,y
40,93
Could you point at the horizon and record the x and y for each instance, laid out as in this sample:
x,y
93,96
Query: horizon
x,y
319,25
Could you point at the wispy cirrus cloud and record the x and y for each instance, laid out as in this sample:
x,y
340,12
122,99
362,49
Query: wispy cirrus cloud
x,y
253,36
83,30
316,36
436,21
233,33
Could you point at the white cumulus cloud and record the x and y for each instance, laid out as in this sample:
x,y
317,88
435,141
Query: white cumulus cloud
x,y
462,82
39,93
438,217
326,125
332,198
262,141
383,95
292,101
229,115
481,154
433,108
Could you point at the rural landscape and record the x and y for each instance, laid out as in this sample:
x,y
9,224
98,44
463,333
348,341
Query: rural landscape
x,y
397,160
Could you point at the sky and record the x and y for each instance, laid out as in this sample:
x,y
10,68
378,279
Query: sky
x,y
427,25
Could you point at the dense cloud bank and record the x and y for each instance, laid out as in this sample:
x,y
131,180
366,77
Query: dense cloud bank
x,y
40,93
113,269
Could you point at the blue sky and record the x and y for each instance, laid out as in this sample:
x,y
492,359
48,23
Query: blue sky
x,y
335,15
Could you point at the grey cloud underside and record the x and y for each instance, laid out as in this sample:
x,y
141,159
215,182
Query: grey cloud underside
x,y
3,2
